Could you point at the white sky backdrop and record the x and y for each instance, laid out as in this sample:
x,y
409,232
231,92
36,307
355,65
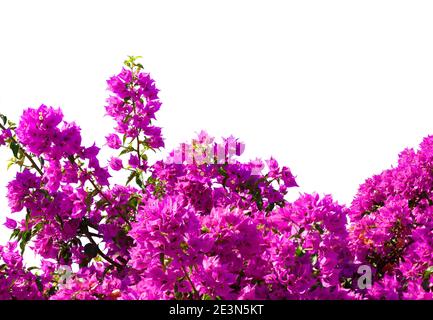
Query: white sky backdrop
x,y
333,89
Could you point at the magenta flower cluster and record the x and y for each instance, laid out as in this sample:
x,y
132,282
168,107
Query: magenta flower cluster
x,y
200,224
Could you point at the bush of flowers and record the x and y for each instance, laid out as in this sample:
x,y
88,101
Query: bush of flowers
x,y
199,224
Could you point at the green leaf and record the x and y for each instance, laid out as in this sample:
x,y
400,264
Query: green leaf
x,y
131,176
15,234
64,252
138,181
428,272
91,250
28,217
318,227
19,235
222,171
26,236
162,260
37,228
270,207
134,201
12,125
126,150
426,285
299,251
177,294
184,246
314,259
11,162
15,148
4,118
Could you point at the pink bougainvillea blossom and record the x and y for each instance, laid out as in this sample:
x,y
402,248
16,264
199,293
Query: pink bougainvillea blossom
x,y
200,223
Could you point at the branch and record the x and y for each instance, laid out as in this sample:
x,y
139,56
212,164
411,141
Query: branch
x,y
29,157
103,255
97,188
194,290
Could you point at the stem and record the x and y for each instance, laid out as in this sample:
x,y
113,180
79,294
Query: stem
x,y
138,149
32,162
97,188
103,255
134,110
190,282
95,234
25,153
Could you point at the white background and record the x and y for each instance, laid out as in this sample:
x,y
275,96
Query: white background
x,y
333,89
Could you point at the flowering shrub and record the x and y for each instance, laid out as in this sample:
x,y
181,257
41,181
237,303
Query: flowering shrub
x,y
200,224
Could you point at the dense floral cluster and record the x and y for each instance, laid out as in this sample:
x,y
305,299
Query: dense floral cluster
x,y
392,223
15,281
133,104
200,224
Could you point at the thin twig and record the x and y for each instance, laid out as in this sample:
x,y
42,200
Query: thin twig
x,y
25,153
103,255
190,282
98,189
